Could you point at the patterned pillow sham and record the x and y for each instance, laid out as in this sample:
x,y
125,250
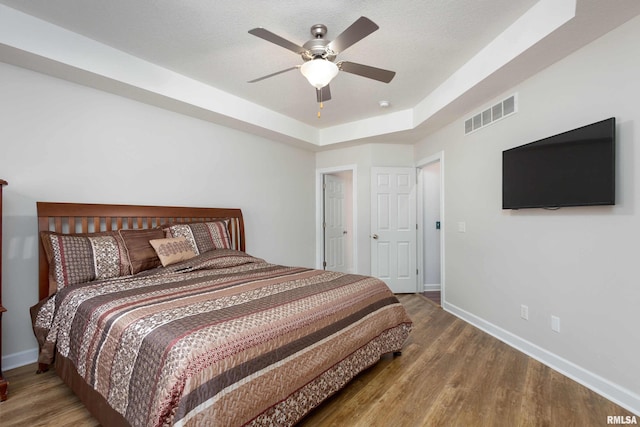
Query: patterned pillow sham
x,y
172,250
80,258
203,236
140,253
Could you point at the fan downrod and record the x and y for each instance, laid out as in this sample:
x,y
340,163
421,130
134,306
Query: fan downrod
x,y
318,31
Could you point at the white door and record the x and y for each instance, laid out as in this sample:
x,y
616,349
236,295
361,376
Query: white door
x,y
335,228
393,227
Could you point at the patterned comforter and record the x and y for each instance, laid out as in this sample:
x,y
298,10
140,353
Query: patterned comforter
x,y
222,339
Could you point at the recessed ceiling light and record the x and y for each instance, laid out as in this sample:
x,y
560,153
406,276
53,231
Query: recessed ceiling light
x,y
384,104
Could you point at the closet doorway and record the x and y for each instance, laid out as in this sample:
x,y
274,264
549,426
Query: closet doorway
x,y
431,225
335,219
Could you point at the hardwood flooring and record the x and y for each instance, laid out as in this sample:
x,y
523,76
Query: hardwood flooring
x,y
433,296
449,374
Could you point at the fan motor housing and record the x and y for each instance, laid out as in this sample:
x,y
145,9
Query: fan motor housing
x,y
317,46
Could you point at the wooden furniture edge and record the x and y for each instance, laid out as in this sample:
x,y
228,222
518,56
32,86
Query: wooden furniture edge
x,y
91,217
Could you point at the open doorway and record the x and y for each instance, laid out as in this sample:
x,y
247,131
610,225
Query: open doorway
x,y
335,219
431,218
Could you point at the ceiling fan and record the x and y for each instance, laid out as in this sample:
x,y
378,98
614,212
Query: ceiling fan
x,y
319,55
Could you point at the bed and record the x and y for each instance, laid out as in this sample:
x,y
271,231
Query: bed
x,y
157,316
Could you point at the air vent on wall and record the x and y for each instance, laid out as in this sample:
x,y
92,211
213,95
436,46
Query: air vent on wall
x,y
498,112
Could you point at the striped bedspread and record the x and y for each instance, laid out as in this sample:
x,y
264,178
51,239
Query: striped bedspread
x,y
223,339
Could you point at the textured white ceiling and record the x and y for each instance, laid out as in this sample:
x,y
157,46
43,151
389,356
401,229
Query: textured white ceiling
x,y
424,41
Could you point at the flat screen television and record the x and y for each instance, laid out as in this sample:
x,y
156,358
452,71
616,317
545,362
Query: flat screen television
x,y
574,168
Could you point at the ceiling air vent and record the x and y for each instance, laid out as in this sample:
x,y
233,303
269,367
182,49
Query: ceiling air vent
x,y
498,112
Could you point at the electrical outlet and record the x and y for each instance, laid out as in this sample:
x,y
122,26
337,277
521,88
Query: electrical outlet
x,y
524,312
462,227
555,324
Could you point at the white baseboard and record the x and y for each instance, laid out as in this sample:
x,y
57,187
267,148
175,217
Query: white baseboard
x,y
614,392
431,287
21,358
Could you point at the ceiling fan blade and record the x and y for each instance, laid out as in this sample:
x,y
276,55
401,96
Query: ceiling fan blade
x,y
367,71
274,38
273,74
356,32
323,94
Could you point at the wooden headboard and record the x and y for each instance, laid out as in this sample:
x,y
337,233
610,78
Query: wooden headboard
x,y
92,218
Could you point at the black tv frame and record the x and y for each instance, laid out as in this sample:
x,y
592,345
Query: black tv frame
x,y
555,161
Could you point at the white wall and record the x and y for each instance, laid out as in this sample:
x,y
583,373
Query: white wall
x,y
65,142
365,157
580,264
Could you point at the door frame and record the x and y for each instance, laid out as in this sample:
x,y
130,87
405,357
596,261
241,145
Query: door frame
x,y
437,157
320,213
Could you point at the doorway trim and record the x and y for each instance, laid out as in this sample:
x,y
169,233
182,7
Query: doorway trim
x,y
320,208
437,157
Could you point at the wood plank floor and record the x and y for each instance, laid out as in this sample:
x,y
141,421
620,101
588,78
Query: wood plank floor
x,y
449,374
433,296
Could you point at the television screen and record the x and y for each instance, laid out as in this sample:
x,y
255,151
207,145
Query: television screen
x,y
574,168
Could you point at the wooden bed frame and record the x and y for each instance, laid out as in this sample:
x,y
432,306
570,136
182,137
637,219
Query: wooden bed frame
x,y
70,218
92,218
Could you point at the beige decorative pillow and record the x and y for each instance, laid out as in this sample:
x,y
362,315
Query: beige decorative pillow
x,y
172,250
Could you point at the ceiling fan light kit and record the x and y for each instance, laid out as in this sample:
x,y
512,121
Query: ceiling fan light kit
x,y
319,72
319,54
